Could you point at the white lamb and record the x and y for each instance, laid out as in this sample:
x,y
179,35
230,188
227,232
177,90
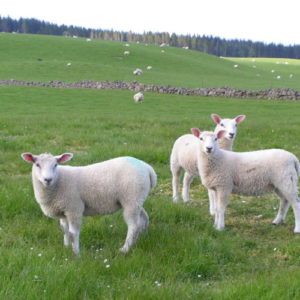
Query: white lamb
x,y
68,193
138,97
137,72
183,155
247,173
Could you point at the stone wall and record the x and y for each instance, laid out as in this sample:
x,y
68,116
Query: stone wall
x,y
286,94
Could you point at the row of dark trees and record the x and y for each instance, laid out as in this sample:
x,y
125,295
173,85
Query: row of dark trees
x,y
208,44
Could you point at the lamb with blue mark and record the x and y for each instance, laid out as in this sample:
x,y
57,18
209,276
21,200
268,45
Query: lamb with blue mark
x,y
68,193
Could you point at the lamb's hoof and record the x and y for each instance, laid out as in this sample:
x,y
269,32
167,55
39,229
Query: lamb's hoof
x,y
219,228
187,201
124,250
275,224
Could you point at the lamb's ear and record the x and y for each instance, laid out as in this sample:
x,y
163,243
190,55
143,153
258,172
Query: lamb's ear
x,y
196,132
64,157
29,157
216,118
240,118
221,134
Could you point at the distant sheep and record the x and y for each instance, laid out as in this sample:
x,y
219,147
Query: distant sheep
x,y
69,64
137,72
183,155
247,173
126,52
138,97
149,68
68,193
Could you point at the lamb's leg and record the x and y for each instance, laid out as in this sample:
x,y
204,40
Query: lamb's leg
x,y
74,230
222,197
296,208
187,180
175,182
131,217
212,204
282,211
293,199
144,219
65,228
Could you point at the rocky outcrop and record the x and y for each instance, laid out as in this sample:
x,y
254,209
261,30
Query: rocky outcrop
x,y
286,94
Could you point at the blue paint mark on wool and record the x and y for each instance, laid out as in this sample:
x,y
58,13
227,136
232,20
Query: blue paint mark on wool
x,y
135,161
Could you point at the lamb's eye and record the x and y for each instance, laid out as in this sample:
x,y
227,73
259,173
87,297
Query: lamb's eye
x,y
55,166
222,124
215,139
201,139
38,165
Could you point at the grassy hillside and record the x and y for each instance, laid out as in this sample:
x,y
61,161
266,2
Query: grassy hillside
x,y
45,58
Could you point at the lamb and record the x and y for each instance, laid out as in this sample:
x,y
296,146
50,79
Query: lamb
x,y
137,72
138,97
68,193
126,52
247,173
183,155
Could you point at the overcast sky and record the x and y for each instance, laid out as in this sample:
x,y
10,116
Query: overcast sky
x,y
268,21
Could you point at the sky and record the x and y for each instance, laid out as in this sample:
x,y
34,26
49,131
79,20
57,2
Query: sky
x,y
268,21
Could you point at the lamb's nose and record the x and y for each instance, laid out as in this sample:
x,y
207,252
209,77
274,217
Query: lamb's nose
x,y
48,180
231,135
209,149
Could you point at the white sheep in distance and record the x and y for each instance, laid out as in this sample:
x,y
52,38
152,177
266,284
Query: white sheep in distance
x,y
252,173
138,97
126,52
183,155
68,193
149,68
137,72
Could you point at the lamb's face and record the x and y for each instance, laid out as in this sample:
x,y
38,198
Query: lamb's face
x,y
229,125
45,169
45,166
208,142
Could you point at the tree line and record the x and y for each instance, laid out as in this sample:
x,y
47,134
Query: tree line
x,y
207,44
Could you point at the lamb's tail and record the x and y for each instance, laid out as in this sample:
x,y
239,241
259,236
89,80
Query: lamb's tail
x,y
153,177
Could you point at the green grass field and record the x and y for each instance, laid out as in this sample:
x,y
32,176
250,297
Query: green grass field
x,y
181,256
45,58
